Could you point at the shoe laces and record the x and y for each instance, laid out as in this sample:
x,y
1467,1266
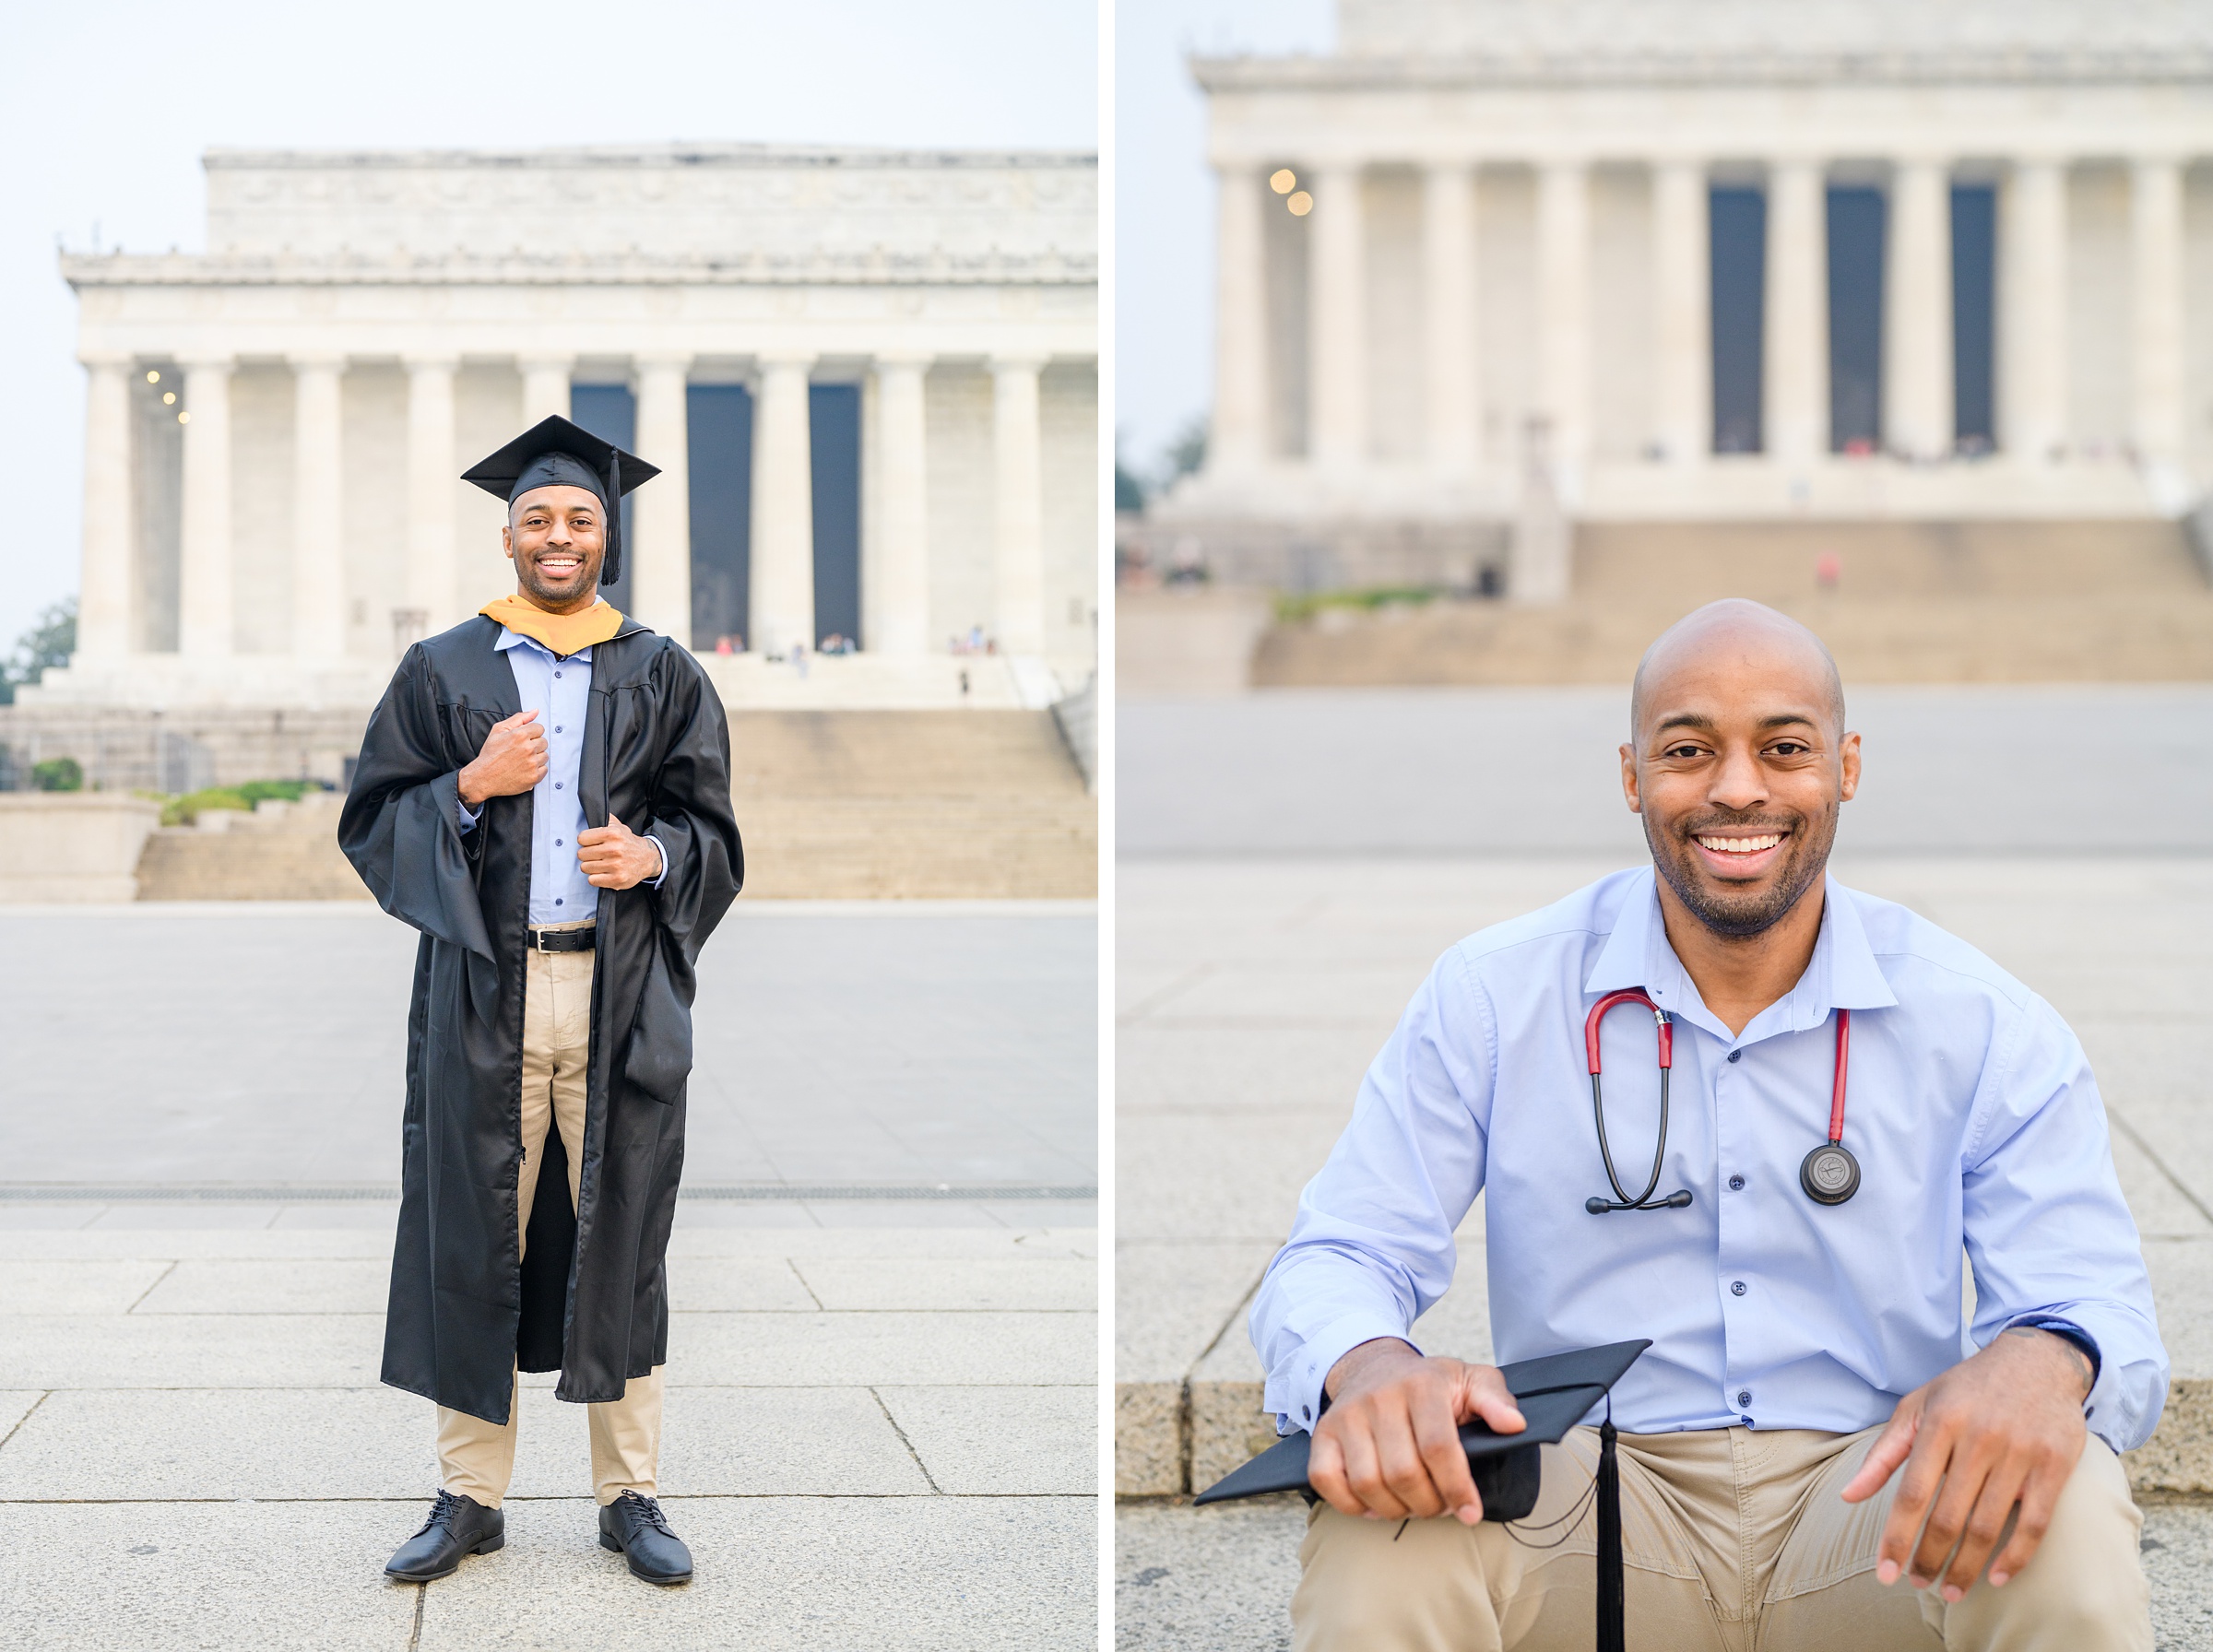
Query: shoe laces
x,y
649,1509
443,1511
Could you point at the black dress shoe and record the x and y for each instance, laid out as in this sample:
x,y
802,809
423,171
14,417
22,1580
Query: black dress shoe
x,y
634,1526
459,1526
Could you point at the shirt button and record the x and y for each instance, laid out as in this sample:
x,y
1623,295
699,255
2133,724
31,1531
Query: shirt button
x,y
557,786
1736,1184
557,844
556,728
1744,1396
1737,1288
557,674
557,900
1734,1053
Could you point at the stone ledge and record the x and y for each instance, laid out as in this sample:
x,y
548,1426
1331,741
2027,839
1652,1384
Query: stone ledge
x,y
1172,1439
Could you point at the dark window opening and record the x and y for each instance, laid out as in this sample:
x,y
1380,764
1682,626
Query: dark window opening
x,y
721,453
1974,289
1856,227
1739,260
833,439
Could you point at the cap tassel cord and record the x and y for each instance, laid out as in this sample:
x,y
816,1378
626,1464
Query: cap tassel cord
x,y
1611,1595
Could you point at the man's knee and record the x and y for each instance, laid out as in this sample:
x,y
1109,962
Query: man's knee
x,y
1396,1586
2084,1588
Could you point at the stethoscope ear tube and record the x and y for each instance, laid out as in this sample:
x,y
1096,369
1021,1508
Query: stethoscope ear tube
x,y
1829,1175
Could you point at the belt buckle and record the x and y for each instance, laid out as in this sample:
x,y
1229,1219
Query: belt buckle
x,y
538,942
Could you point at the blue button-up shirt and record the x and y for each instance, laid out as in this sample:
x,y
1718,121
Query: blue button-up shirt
x,y
559,689
1970,1108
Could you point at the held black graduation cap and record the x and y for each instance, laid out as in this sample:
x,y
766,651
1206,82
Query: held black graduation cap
x,y
554,453
1553,1394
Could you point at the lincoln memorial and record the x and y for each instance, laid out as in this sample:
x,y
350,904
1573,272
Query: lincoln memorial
x,y
869,380
1684,260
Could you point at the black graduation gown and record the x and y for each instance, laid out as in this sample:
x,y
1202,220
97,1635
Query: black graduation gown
x,y
592,1300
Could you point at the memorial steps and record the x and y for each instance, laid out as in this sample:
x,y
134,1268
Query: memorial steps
x,y
833,804
1903,602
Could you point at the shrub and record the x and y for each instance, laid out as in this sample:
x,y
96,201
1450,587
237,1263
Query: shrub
x,y
58,774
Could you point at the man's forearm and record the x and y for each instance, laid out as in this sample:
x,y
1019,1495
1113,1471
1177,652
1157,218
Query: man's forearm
x,y
2084,1369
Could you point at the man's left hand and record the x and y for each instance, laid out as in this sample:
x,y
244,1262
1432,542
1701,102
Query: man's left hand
x,y
2001,1428
613,856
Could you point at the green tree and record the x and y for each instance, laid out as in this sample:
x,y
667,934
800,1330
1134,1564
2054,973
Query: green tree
x,y
50,642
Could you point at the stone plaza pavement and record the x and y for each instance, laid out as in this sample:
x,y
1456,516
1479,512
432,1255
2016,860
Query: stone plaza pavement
x,y
882,1407
1301,860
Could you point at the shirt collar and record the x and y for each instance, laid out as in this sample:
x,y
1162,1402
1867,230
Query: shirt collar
x,y
1841,975
515,639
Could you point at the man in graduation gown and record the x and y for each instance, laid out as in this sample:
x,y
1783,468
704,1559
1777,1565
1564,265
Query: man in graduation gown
x,y
544,793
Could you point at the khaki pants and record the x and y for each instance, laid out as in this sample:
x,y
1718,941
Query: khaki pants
x,y
1733,1539
475,1459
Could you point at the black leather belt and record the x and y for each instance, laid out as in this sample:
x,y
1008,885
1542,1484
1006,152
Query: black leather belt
x,y
563,940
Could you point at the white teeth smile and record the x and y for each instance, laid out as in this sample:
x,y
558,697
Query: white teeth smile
x,y
1740,845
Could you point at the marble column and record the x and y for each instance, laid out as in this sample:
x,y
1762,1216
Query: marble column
x,y
660,558
204,575
2155,248
318,507
1917,324
1237,440
103,608
430,583
782,600
545,386
1681,313
1018,518
1564,314
2033,296
1797,320
1448,306
1337,321
902,509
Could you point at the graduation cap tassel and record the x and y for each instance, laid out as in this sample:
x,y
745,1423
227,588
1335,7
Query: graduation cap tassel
x,y
1611,1595
610,567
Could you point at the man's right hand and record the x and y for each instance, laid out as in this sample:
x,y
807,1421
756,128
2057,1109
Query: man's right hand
x,y
1388,1446
512,760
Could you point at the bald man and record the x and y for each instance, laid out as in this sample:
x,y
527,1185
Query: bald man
x,y
1821,1448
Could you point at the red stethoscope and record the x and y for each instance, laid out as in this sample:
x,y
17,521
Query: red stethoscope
x,y
1829,1174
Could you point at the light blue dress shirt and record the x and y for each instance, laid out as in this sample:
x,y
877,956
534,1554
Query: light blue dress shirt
x,y
560,690
1970,1108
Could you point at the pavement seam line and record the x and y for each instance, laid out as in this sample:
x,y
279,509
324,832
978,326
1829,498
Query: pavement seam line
x,y
422,1594
2150,1152
1160,995
43,1395
928,1479
150,1288
793,1263
1183,1390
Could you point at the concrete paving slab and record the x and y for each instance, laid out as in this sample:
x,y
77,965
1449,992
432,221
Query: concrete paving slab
x,y
778,1349
76,1287
2181,1289
163,1351
16,1405
990,1442
236,1285
46,1213
1220,1580
1042,1282
898,1575
197,1576
1176,1298
121,1444
211,1214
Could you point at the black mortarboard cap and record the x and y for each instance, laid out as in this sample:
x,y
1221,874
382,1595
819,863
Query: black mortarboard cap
x,y
1553,1394
555,453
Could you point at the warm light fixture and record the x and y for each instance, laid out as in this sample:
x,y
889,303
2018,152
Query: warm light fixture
x,y
169,398
1283,181
1301,203
152,377
183,419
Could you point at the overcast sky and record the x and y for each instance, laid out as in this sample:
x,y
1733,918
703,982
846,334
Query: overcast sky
x,y
110,103
1165,217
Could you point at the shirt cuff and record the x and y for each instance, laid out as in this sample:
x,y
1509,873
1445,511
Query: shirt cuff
x,y
468,818
655,882
1317,1356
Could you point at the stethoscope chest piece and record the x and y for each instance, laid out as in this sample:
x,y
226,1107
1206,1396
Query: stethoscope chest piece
x,y
1829,1175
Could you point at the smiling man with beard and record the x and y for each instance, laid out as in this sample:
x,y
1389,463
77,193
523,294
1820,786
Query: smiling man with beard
x,y
1859,1100
544,793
